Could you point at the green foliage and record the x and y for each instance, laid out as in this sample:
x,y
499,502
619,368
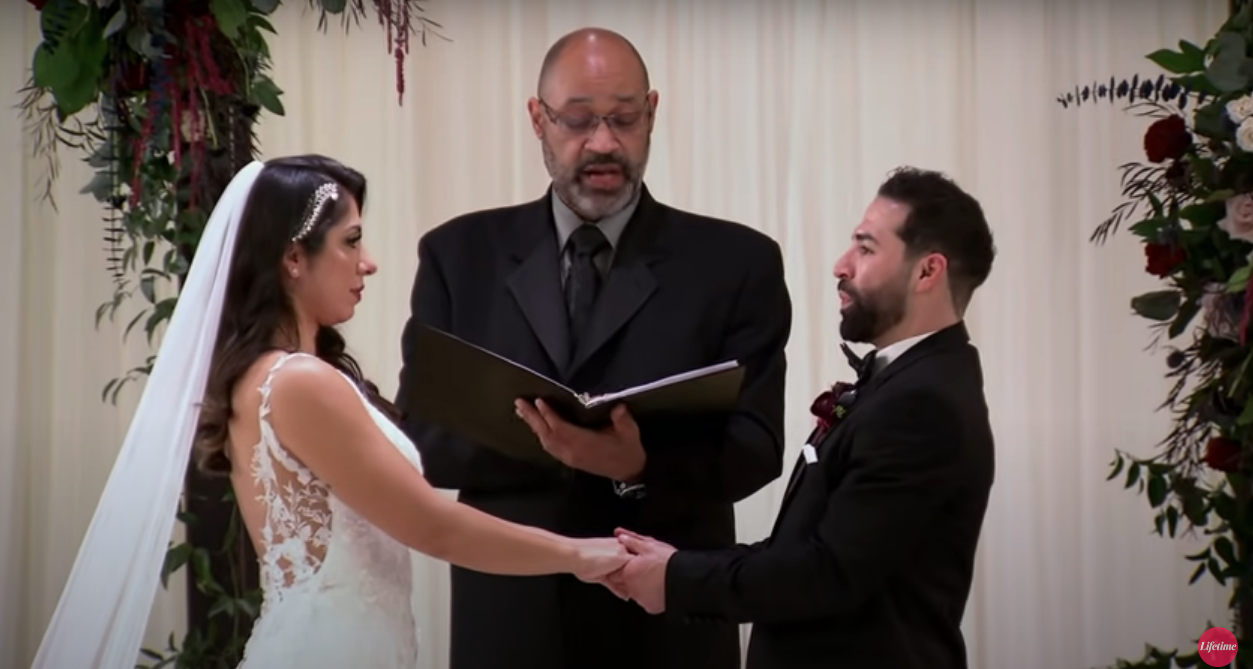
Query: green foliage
x,y
220,644
1197,170
162,132
176,87
70,61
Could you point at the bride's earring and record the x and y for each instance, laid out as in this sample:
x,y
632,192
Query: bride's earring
x,y
295,272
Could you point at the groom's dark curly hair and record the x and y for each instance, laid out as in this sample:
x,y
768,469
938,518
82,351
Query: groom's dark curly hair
x,y
944,219
257,314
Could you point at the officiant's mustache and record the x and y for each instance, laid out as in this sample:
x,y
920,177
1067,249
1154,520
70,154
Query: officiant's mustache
x,y
613,159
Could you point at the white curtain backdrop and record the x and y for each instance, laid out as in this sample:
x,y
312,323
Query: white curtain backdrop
x,y
784,116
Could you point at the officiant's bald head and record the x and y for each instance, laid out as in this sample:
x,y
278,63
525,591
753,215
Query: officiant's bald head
x,y
593,113
592,51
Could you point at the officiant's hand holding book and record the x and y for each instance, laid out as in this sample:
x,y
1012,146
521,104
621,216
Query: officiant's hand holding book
x,y
615,452
471,391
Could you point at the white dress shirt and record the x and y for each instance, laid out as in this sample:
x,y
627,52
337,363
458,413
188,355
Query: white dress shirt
x,y
884,356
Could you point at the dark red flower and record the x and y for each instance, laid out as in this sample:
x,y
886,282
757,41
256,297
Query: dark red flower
x,y
823,408
1223,454
1167,139
38,4
1162,259
824,405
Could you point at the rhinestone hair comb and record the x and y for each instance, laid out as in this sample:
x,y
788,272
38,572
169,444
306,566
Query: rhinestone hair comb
x,y
325,192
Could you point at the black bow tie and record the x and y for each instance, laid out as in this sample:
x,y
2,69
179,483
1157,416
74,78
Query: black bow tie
x,y
863,366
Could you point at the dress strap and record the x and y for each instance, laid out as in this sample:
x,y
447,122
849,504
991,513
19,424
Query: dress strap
x,y
268,383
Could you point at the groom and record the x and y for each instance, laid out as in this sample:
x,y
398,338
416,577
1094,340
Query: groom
x,y
871,557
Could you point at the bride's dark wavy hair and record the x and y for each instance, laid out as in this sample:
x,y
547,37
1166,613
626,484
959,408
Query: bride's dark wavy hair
x,y
257,313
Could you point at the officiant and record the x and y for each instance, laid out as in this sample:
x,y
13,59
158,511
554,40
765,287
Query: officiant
x,y
598,285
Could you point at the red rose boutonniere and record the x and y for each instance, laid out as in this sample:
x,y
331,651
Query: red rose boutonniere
x,y
828,407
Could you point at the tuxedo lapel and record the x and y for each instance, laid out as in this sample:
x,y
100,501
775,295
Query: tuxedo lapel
x,y
955,335
797,471
630,283
535,281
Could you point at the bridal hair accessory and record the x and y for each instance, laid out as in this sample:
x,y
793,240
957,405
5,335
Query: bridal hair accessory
x,y
100,620
327,191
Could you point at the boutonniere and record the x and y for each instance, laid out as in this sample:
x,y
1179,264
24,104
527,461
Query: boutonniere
x,y
831,406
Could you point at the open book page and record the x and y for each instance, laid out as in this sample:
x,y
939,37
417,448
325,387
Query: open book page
x,y
597,400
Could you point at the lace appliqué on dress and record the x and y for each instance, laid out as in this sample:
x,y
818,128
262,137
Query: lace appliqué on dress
x,y
297,528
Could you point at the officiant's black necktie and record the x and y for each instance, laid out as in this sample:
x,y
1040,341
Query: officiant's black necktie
x,y
583,283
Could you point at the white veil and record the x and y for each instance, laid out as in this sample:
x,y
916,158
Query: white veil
x,y
100,620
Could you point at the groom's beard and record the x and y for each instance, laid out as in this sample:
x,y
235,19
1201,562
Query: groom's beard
x,y
869,315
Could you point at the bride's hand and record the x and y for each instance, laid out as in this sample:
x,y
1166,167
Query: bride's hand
x,y
597,558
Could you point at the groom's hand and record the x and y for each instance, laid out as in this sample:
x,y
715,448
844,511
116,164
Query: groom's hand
x,y
643,578
614,452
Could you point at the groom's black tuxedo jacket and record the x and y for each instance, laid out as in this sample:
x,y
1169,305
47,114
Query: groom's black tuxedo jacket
x,y
871,558
683,291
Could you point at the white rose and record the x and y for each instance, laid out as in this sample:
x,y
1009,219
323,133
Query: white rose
x,y
1244,134
1239,220
1240,109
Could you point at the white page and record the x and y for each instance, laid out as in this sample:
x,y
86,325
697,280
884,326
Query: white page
x,y
667,381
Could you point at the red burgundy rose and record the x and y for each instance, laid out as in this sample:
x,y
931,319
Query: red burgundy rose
x,y
39,4
1223,454
824,405
1162,259
1167,139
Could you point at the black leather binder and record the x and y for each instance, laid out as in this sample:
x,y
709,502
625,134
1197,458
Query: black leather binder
x,y
470,391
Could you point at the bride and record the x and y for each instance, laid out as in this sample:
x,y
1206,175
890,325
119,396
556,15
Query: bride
x,y
252,372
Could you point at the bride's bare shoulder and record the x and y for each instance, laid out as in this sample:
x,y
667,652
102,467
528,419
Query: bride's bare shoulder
x,y
287,374
305,382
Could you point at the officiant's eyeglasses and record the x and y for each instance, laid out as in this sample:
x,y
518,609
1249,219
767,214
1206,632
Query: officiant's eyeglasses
x,y
586,124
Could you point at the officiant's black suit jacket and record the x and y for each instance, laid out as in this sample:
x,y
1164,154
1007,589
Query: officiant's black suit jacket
x,y
684,291
871,557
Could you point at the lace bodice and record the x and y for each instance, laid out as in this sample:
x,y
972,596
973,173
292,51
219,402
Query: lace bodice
x,y
338,590
303,520
297,526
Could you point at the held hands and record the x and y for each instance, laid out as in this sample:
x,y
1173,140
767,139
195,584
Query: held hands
x,y
643,578
614,452
632,566
596,559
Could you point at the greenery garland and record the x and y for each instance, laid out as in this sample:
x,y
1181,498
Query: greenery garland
x,y
1191,205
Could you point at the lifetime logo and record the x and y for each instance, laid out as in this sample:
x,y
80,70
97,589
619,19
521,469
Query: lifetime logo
x,y
1217,647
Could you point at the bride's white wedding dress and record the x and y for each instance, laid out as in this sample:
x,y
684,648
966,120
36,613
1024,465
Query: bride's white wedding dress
x,y
337,589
